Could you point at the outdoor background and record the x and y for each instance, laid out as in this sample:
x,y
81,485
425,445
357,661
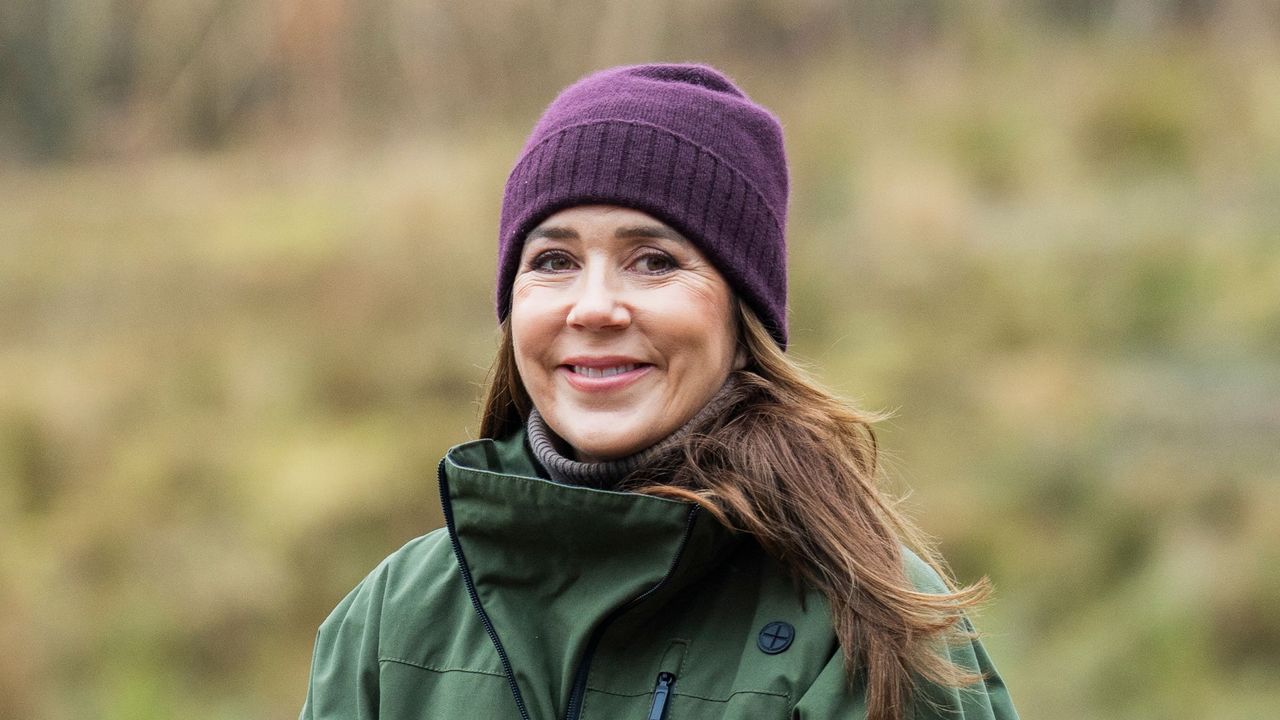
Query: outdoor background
x,y
246,251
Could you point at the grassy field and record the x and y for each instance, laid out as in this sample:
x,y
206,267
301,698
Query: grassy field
x,y
226,376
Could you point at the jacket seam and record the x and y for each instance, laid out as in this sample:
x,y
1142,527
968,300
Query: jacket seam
x,y
785,696
423,666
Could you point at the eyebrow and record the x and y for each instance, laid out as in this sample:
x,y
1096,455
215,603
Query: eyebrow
x,y
626,232
630,232
552,233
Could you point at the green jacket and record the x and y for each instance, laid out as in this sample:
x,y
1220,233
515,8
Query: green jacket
x,y
544,601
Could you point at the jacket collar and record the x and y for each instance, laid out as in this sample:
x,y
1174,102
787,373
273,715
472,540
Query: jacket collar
x,y
552,563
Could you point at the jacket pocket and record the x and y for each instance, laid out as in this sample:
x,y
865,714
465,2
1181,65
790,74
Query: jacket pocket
x,y
668,674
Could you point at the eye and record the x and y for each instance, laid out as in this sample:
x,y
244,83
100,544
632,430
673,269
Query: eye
x,y
655,263
553,261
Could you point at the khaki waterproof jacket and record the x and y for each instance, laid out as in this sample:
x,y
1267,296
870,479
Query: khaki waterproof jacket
x,y
544,601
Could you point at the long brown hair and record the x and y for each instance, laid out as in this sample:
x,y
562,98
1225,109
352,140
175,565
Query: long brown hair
x,y
797,468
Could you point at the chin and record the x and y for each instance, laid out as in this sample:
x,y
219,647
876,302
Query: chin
x,y
606,447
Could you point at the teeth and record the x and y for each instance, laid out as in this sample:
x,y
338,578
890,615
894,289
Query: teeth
x,y
603,372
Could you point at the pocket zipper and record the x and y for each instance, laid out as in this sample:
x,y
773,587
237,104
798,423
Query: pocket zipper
x,y
661,693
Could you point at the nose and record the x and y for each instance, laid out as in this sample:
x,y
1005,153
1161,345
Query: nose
x,y
597,305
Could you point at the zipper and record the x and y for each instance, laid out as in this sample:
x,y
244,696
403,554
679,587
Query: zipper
x,y
475,597
574,710
661,693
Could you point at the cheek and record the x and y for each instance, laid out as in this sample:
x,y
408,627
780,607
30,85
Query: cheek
x,y
700,327
716,305
534,325
528,311
527,346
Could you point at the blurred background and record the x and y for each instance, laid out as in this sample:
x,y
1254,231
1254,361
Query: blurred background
x,y
246,250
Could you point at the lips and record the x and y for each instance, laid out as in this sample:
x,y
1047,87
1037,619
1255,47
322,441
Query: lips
x,y
603,373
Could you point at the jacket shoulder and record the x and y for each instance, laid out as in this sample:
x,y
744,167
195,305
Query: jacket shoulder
x,y
922,575
425,556
831,696
371,623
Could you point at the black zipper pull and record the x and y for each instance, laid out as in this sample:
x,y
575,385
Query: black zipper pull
x,y
661,692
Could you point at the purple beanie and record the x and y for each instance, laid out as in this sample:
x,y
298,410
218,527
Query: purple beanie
x,y
679,142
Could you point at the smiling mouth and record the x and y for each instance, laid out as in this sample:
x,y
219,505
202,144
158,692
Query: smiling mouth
x,y
597,372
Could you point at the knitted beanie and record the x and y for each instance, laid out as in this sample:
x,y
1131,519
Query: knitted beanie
x,y
679,142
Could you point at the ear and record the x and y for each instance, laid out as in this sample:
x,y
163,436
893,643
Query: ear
x,y
740,357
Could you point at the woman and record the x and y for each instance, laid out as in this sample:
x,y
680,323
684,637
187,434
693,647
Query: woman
x,y
665,517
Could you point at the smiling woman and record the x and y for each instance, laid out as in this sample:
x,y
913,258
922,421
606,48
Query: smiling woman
x,y
664,516
622,329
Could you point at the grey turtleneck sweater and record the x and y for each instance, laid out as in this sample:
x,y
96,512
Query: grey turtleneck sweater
x,y
608,474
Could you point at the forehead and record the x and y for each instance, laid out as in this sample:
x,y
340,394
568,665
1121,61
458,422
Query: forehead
x,y
599,213
602,221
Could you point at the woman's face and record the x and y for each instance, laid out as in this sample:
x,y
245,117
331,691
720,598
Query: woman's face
x,y
622,329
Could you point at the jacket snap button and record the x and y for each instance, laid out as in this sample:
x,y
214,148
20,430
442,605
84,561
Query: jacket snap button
x,y
775,637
